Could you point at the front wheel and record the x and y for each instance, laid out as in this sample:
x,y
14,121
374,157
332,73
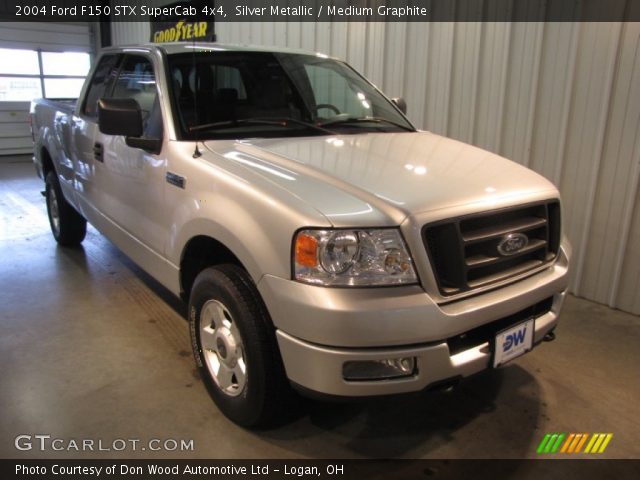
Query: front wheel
x,y
235,347
67,225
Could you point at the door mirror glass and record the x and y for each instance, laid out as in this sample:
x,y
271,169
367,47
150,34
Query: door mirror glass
x,y
120,116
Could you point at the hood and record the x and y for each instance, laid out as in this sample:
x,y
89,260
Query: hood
x,y
379,179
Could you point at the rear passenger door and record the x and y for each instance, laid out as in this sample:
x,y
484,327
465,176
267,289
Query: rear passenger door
x,y
87,160
134,178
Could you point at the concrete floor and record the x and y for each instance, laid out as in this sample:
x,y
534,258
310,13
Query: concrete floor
x,y
91,347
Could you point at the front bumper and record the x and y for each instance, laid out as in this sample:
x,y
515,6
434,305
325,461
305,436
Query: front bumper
x,y
319,369
319,329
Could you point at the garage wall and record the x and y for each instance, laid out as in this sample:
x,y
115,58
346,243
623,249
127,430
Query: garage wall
x,y
15,136
51,36
125,33
560,98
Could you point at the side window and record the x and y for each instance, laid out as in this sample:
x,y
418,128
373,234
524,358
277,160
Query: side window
x,y
214,78
137,80
230,78
100,83
221,93
332,88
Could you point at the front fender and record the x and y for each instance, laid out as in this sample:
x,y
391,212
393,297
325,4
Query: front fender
x,y
209,228
258,234
246,212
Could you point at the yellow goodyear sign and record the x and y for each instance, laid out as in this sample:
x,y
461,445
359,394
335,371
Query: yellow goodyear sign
x,y
574,443
181,31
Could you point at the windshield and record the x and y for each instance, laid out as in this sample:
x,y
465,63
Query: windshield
x,y
263,94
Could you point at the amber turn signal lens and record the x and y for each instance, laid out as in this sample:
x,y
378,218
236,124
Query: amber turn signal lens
x,y
306,250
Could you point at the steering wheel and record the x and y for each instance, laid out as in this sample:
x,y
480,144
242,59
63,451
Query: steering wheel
x,y
333,108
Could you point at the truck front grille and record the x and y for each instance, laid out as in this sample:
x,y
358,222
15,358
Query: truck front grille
x,y
478,250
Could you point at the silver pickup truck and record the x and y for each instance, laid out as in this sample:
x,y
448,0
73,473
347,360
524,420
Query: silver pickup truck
x,y
321,241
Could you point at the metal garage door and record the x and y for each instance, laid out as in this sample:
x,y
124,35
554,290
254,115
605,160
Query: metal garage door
x,y
15,137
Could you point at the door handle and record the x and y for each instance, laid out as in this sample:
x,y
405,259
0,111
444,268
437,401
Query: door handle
x,y
98,152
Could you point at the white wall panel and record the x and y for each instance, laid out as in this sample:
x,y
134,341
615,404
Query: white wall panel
x,y
439,59
521,90
593,79
416,68
492,80
612,255
15,134
127,33
561,98
464,80
395,52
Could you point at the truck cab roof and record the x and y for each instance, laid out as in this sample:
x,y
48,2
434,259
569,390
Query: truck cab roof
x,y
186,47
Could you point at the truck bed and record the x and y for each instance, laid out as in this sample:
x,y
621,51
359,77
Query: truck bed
x,y
66,105
55,115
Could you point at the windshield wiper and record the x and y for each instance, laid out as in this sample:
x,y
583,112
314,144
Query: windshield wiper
x,y
276,121
340,121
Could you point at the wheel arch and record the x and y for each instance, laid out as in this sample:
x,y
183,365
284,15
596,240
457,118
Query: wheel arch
x,y
199,253
202,242
46,161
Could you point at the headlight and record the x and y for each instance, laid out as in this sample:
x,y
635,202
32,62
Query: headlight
x,y
352,258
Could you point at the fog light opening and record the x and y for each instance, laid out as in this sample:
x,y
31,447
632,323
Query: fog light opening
x,y
385,369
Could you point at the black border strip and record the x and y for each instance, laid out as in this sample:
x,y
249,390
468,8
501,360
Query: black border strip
x,y
577,466
330,10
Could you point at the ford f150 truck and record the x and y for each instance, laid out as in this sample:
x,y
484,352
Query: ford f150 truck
x,y
321,241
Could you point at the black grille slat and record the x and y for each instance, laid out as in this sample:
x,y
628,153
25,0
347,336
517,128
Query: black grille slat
x,y
479,278
528,223
482,260
464,251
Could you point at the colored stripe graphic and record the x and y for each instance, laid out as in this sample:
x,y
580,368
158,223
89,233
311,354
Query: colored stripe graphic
x,y
582,442
543,443
566,444
573,443
596,446
606,441
598,442
591,442
550,443
556,445
578,442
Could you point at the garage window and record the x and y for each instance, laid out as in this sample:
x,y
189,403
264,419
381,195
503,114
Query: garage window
x,y
29,74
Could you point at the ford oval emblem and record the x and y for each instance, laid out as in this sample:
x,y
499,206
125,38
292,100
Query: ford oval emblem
x,y
512,244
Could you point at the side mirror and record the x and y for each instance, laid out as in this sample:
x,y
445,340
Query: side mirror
x,y
400,103
120,116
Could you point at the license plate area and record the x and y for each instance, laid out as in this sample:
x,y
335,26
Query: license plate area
x,y
513,342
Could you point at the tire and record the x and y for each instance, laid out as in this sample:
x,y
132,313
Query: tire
x,y
235,348
67,225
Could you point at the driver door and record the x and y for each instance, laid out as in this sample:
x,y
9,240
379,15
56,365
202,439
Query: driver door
x,y
134,179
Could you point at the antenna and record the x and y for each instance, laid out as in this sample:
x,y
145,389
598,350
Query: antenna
x,y
196,152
